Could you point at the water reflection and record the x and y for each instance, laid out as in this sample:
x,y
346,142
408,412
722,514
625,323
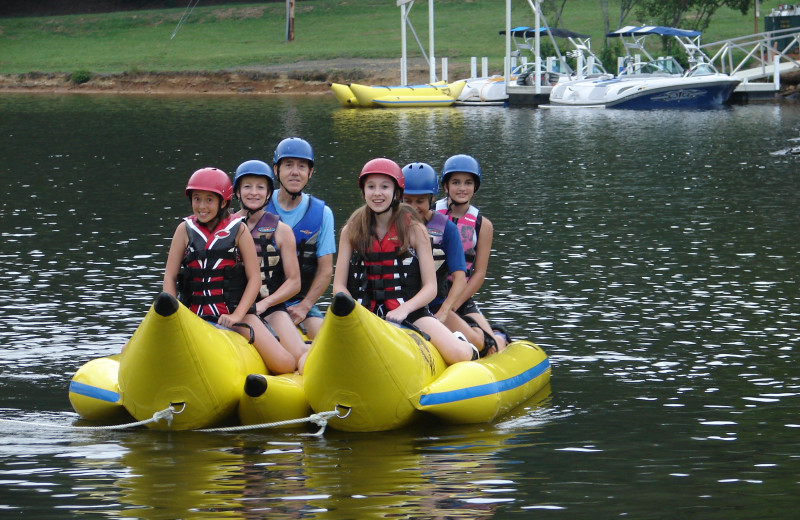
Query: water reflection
x,y
651,254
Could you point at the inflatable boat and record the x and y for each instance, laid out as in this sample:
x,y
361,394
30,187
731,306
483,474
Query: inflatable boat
x,y
376,375
205,372
384,377
426,95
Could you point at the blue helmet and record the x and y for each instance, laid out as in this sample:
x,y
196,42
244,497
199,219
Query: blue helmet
x,y
293,147
254,167
462,164
420,179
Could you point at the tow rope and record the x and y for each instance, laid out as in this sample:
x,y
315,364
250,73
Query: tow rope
x,y
167,414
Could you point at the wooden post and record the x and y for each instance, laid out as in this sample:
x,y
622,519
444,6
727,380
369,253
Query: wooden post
x,y
289,20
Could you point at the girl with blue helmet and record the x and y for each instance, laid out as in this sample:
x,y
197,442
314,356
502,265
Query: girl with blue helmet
x,y
461,178
421,188
253,185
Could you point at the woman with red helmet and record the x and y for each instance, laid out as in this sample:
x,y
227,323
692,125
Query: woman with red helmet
x,y
385,260
212,266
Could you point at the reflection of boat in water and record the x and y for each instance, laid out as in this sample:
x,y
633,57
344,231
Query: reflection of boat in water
x,y
385,376
655,83
425,95
376,374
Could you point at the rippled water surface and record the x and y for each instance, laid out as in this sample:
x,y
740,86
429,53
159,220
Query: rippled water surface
x,y
652,254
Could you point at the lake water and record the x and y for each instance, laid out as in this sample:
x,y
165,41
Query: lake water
x,y
653,255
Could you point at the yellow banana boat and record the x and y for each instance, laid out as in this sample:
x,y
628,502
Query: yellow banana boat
x,y
344,95
425,95
205,372
384,377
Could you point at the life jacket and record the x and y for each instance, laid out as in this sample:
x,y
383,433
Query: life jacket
x,y
306,234
212,277
436,226
469,227
263,234
382,279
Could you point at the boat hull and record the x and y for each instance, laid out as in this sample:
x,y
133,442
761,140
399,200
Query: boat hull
x,y
645,93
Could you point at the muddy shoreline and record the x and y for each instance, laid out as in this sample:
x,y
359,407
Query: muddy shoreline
x,y
304,78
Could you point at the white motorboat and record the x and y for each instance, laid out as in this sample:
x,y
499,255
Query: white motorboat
x,y
491,90
651,84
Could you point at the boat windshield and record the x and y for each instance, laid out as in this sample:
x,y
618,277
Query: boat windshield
x,y
702,69
660,66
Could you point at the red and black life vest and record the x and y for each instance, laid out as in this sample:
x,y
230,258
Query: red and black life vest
x,y
382,279
212,278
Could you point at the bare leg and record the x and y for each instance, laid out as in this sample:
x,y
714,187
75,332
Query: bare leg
x,y
277,359
450,347
290,339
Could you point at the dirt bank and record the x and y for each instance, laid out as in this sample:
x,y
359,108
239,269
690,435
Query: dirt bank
x,y
303,78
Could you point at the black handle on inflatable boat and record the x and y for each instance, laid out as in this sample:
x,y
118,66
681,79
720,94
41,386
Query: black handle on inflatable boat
x,y
407,324
215,319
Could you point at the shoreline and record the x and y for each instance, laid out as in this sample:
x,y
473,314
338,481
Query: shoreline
x,y
302,78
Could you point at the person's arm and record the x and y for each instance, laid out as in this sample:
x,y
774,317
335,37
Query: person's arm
x,y
420,241
321,281
342,272
481,264
457,285
284,239
247,250
177,250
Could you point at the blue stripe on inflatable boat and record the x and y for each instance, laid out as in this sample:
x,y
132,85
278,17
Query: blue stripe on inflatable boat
x,y
487,389
93,392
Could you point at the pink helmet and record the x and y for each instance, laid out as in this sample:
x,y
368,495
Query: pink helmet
x,y
385,167
213,180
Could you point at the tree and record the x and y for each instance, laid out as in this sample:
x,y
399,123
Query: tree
x,y
673,13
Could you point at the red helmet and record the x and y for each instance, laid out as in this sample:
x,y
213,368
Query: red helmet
x,y
213,180
385,167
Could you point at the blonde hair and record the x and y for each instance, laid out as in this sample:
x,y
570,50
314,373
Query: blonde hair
x,y
362,222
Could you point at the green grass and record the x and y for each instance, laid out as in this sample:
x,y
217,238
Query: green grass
x,y
250,35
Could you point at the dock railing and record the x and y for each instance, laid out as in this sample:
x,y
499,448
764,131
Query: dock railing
x,y
737,56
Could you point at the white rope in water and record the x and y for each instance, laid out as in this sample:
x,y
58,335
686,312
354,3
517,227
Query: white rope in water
x,y
320,419
165,414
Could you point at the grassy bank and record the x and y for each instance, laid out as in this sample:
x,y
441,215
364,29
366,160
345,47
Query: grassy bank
x,y
253,35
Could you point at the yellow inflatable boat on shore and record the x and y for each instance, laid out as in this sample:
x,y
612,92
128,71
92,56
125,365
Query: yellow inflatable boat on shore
x,y
427,95
376,375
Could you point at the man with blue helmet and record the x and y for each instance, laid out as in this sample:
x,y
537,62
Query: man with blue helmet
x,y
312,222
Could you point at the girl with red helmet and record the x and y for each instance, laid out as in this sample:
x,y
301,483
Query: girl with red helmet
x,y
385,260
212,266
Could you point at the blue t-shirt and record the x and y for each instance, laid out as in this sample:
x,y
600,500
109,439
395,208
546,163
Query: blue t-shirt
x,y
326,243
453,253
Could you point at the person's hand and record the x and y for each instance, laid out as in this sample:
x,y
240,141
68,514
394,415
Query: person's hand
x,y
228,320
397,315
298,312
